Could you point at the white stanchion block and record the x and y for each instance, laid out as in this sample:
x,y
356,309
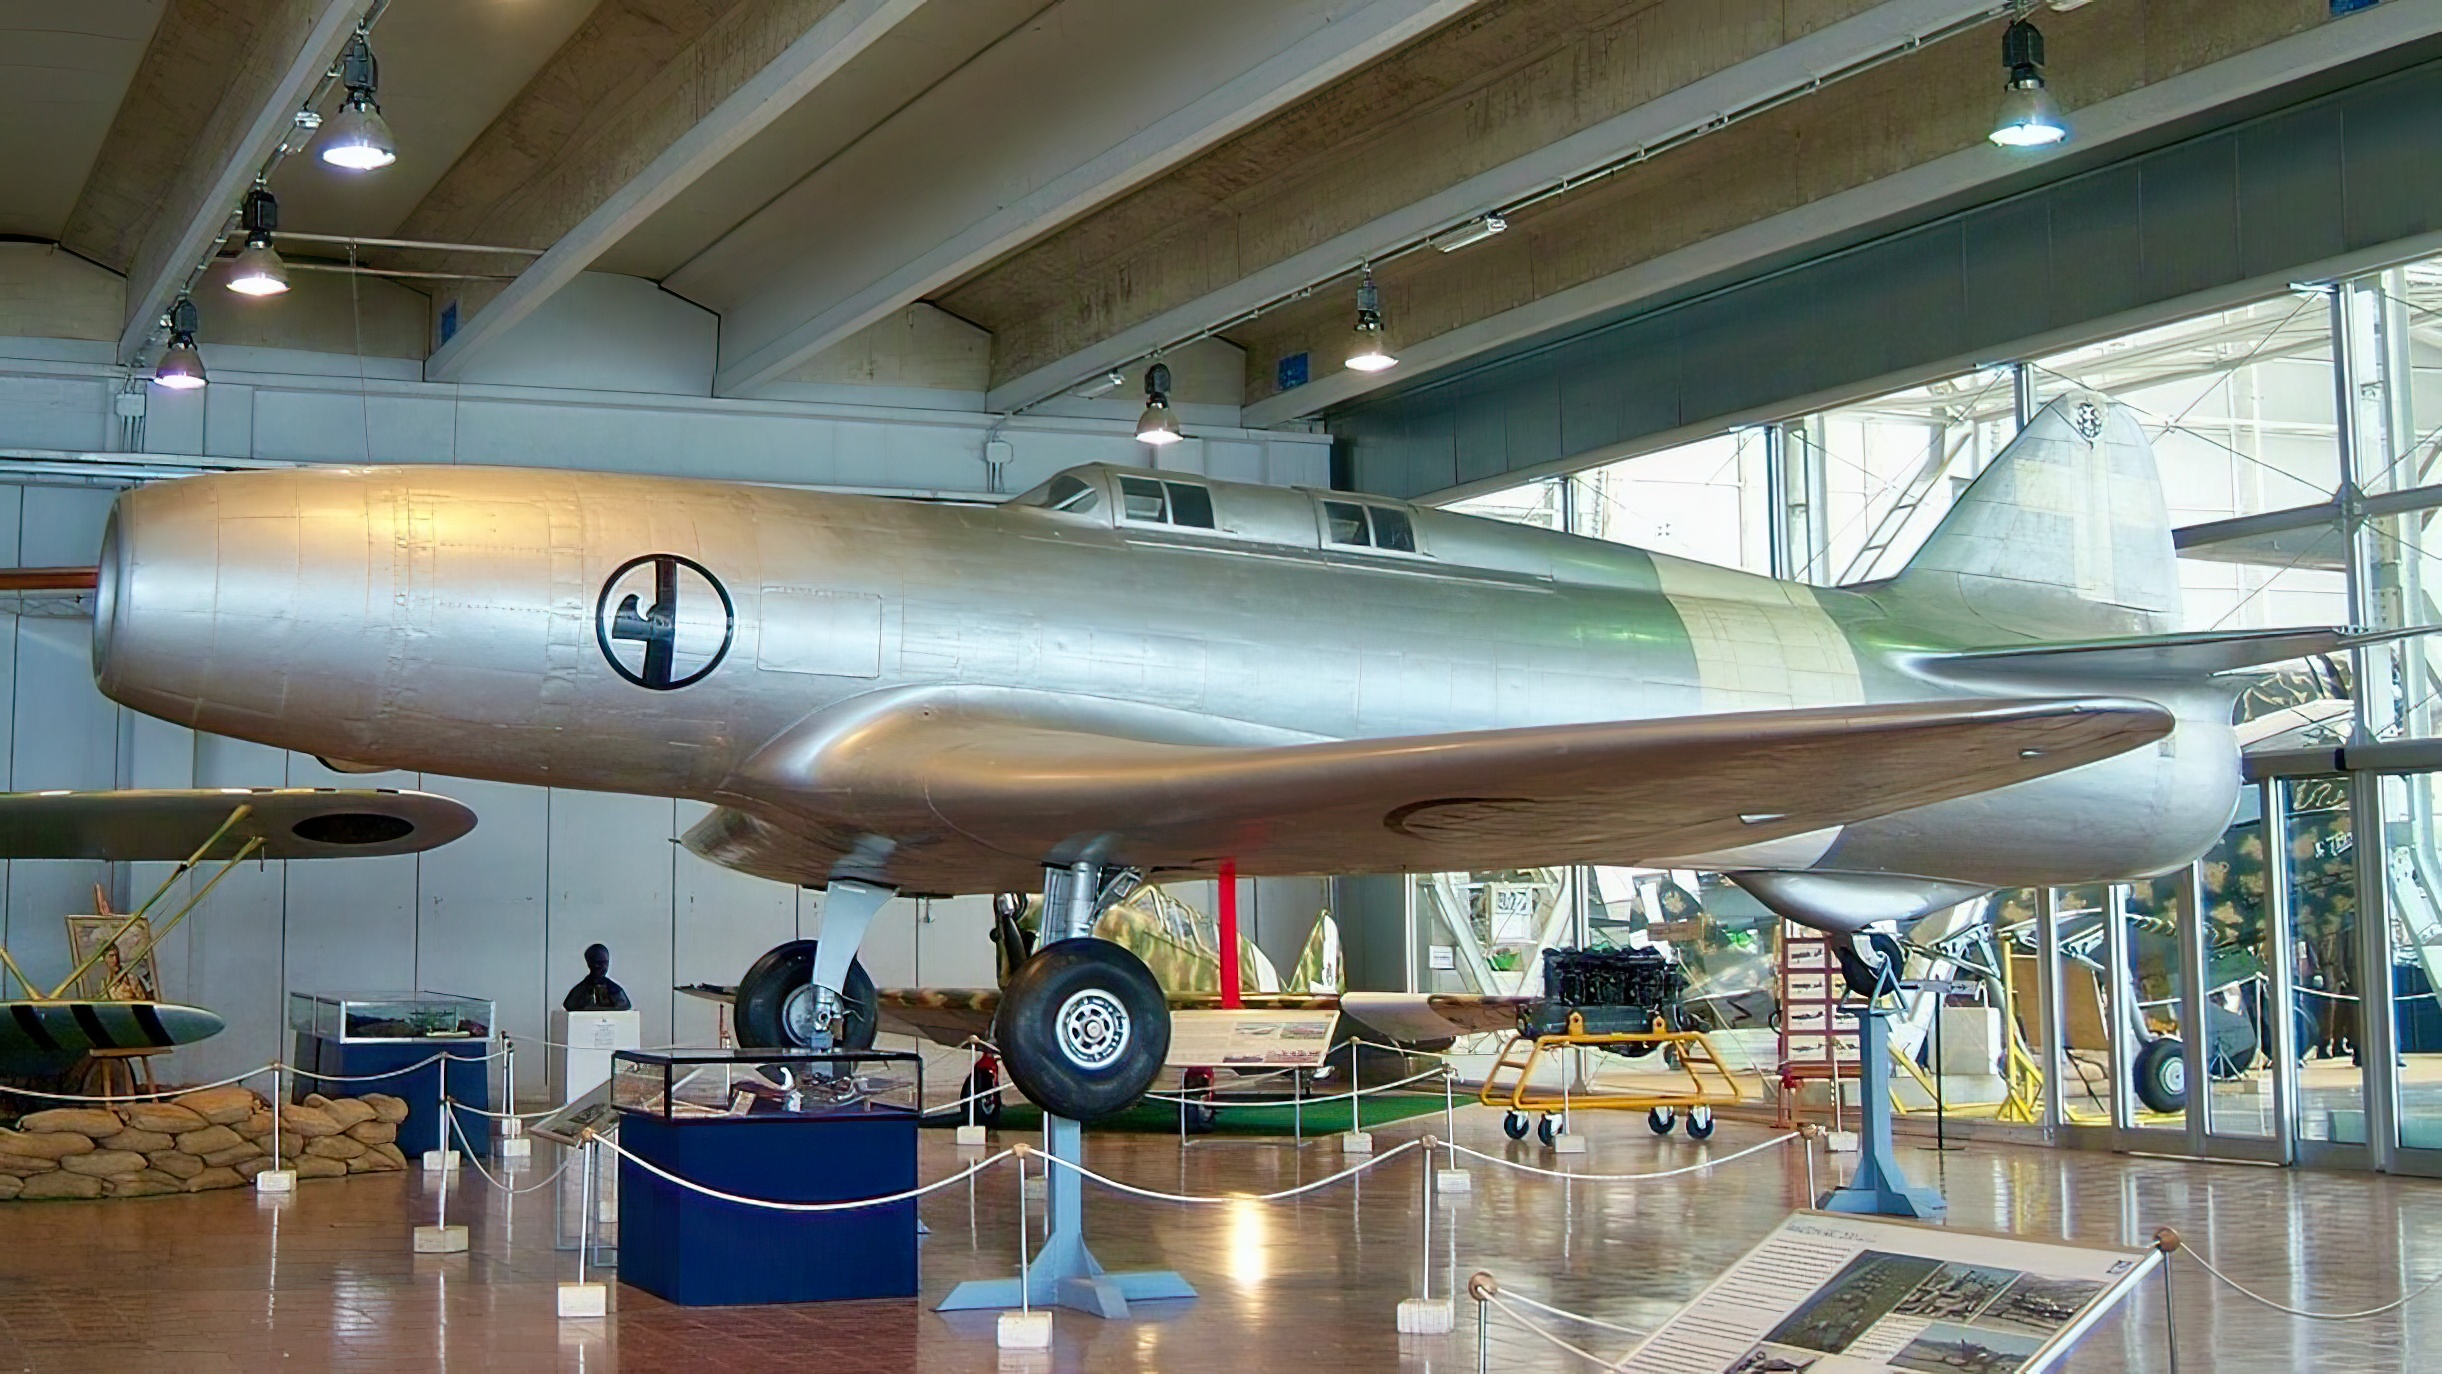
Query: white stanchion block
x,y
972,1137
516,1147
1025,1331
440,1161
511,1127
276,1181
1357,1143
584,1299
1840,1142
1425,1317
1448,1181
1568,1143
440,1240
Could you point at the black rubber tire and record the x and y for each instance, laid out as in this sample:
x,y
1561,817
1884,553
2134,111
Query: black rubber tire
x,y
1700,1123
987,1109
1547,1130
2161,1074
1868,979
1127,1006
764,992
1515,1125
1659,1120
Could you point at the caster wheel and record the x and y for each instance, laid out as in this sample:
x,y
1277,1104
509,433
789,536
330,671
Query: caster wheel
x,y
1870,978
776,1002
1660,1120
1514,1125
1083,1028
1700,1123
1548,1129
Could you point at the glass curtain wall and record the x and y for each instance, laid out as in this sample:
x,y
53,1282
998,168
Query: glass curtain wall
x,y
2293,972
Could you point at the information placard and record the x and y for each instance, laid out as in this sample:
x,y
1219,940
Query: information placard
x,y
1250,1038
1829,1294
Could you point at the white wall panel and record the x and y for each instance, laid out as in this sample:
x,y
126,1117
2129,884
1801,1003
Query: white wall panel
x,y
722,922
610,865
480,927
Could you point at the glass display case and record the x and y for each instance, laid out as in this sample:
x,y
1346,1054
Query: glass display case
x,y
374,1017
690,1084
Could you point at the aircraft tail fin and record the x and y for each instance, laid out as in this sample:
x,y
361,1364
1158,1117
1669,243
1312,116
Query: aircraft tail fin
x,y
2066,532
1319,969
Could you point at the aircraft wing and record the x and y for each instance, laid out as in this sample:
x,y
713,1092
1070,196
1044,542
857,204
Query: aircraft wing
x,y
950,1016
945,793
170,824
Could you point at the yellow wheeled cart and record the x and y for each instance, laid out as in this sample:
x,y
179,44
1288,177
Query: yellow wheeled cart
x,y
1709,1083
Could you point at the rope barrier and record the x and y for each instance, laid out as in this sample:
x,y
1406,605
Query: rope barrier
x,y
1374,1091
848,1206
377,1077
1530,1324
1576,1316
476,1164
2246,1292
1695,1168
155,1095
1115,1185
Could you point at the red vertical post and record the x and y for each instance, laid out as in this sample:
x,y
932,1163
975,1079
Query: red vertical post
x,y
1229,934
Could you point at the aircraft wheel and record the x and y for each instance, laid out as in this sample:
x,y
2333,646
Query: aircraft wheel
x,y
983,1080
1514,1125
1548,1129
1871,977
1083,1028
2161,1072
1659,1120
776,1002
1700,1123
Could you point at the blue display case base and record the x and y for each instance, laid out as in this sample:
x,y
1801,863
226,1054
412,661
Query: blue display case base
x,y
1065,1273
1878,1188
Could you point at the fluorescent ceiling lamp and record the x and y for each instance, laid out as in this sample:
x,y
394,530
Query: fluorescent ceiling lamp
x,y
1467,235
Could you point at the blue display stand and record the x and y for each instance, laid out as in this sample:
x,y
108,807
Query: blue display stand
x,y
686,1248
470,1082
1064,1273
1878,1188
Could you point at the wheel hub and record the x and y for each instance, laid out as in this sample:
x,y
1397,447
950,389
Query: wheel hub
x,y
806,1016
1092,1029
2175,1076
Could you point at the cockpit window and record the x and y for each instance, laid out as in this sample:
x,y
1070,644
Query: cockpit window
x,y
1155,502
1363,526
1070,493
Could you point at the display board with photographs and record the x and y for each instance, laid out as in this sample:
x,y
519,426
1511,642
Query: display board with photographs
x,y
123,968
1830,1294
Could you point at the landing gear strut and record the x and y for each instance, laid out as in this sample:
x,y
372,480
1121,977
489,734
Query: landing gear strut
x,y
812,994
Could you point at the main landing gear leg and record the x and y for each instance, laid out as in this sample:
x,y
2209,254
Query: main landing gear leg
x,y
1084,1024
813,994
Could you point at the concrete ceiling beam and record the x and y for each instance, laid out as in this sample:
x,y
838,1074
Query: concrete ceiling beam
x,y
1777,70
1946,166
293,43
837,38
1014,144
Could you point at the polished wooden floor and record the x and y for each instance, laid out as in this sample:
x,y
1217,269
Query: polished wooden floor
x,y
325,1280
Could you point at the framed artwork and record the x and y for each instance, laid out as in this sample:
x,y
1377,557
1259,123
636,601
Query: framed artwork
x,y
118,975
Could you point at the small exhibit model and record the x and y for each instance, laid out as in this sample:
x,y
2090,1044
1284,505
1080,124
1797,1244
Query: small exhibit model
x,y
1122,676
595,991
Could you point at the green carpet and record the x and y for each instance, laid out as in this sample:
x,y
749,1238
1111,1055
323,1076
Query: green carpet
x,y
1162,1118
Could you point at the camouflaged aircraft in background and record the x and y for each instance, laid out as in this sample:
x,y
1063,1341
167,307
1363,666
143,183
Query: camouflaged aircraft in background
x,y
1124,676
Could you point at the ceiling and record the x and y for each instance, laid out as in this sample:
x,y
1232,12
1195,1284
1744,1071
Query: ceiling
x,y
1087,181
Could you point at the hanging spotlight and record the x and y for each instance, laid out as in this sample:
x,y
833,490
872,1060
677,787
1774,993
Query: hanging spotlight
x,y
181,366
258,270
358,138
1157,426
1371,352
2029,119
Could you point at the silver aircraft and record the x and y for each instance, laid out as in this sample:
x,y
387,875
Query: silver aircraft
x,y
1125,675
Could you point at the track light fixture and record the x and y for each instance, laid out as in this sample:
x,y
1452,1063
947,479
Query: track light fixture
x,y
358,138
181,366
2029,119
1370,351
258,270
1157,426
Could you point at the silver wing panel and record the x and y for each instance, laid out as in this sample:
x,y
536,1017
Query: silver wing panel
x,y
170,824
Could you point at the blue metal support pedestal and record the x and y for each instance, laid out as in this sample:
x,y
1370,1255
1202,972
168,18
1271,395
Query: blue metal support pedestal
x,y
1878,1188
1064,1272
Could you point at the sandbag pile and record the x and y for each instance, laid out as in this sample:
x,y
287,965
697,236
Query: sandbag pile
x,y
213,1138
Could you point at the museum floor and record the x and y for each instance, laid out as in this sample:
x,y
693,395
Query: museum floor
x,y
324,1280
